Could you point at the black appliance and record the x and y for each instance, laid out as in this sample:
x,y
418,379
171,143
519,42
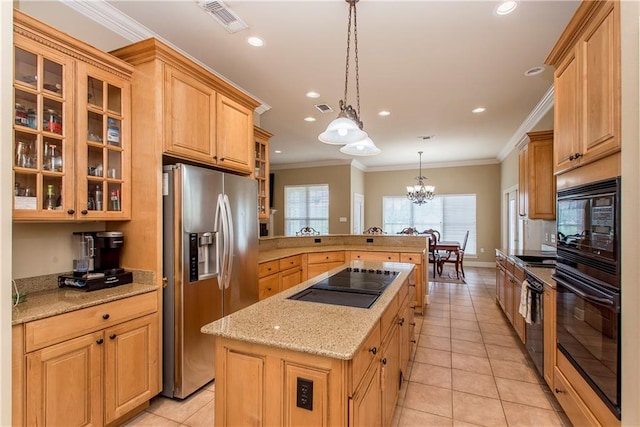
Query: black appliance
x,y
588,285
352,287
535,329
107,251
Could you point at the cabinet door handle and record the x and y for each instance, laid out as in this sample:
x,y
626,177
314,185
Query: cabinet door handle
x,y
413,323
99,341
215,157
112,336
222,159
105,316
71,211
571,157
384,361
373,350
559,391
401,321
84,212
577,155
269,289
413,341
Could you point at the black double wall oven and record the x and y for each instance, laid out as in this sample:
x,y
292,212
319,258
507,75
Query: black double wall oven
x,y
588,285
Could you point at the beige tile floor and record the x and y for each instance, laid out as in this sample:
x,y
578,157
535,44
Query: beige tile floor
x,y
469,369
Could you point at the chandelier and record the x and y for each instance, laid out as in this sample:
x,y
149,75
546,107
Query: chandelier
x,y
347,127
420,193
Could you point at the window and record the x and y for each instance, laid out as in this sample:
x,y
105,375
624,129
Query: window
x,y
451,215
306,206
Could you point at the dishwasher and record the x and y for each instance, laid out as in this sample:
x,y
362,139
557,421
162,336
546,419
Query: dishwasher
x,y
535,329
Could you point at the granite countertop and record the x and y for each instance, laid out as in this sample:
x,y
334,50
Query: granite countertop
x,y
52,302
274,254
541,273
323,329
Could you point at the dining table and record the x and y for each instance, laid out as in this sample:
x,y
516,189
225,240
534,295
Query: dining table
x,y
450,247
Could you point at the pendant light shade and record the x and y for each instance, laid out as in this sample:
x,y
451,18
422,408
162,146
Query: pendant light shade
x,y
347,128
366,147
342,130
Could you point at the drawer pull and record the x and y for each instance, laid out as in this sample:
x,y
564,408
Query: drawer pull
x,y
269,289
559,391
269,269
413,341
413,323
401,321
373,350
99,341
105,316
384,361
112,336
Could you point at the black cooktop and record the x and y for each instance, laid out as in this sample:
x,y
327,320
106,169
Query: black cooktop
x,y
361,280
352,287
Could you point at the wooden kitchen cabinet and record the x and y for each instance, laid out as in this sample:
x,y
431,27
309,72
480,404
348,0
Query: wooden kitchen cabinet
x,y
290,271
268,286
91,366
375,256
509,278
261,170
320,262
587,86
536,181
390,374
550,344
72,129
365,407
421,277
202,118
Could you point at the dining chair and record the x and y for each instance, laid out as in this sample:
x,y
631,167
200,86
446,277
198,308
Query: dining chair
x,y
374,230
408,230
433,255
455,258
436,233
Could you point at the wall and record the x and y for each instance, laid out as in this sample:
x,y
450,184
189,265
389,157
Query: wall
x,y
509,170
339,180
630,16
6,178
357,187
484,181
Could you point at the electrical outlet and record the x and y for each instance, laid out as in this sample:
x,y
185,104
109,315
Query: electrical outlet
x,y
481,250
369,239
304,395
317,240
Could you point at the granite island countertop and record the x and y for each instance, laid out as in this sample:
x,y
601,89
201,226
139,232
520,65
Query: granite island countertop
x,y
323,329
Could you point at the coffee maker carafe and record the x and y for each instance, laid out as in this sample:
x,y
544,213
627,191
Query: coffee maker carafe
x,y
83,261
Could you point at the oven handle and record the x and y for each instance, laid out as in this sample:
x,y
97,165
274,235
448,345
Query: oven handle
x,y
596,300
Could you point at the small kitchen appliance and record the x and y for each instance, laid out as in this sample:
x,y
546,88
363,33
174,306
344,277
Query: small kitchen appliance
x,y
97,261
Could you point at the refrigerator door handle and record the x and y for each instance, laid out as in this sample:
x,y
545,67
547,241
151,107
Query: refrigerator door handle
x,y
219,229
225,242
230,238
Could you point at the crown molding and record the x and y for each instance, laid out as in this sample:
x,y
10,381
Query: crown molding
x,y
318,164
544,105
112,18
456,164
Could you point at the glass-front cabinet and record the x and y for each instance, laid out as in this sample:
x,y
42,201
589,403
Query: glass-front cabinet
x,y
261,172
71,129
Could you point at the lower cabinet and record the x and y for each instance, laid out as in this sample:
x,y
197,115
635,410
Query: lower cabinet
x,y
262,385
108,368
290,271
550,344
321,262
509,278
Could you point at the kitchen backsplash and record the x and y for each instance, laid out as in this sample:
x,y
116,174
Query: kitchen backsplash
x,y
539,234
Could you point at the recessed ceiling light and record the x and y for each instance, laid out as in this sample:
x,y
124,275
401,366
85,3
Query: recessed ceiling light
x,y
534,71
278,151
309,119
312,94
384,113
506,7
255,41
479,110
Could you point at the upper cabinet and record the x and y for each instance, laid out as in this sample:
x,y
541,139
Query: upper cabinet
x,y
71,133
203,119
261,172
536,182
587,86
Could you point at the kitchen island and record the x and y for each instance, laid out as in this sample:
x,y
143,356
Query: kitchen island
x,y
287,362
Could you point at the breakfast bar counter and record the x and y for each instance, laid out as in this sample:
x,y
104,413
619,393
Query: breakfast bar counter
x,y
289,362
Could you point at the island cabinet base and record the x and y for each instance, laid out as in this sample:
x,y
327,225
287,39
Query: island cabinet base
x,y
258,385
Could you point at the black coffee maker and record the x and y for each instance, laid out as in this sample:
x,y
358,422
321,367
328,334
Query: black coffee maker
x,y
108,245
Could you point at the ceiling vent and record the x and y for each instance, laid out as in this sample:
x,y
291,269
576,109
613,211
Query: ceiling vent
x,y
324,108
224,15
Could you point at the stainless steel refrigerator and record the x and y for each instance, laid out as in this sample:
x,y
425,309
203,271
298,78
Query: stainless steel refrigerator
x,y
211,265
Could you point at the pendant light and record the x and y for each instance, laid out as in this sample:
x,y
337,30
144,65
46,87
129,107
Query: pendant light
x,y
347,127
420,193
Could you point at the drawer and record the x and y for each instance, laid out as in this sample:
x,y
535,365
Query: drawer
x,y
320,257
375,256
519,273
315,269
55,329
268,286
267,268
411,258
509,265
364,356
290,262
388,317
571,403
404,291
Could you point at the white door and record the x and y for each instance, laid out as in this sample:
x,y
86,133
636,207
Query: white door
x,y
358,213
